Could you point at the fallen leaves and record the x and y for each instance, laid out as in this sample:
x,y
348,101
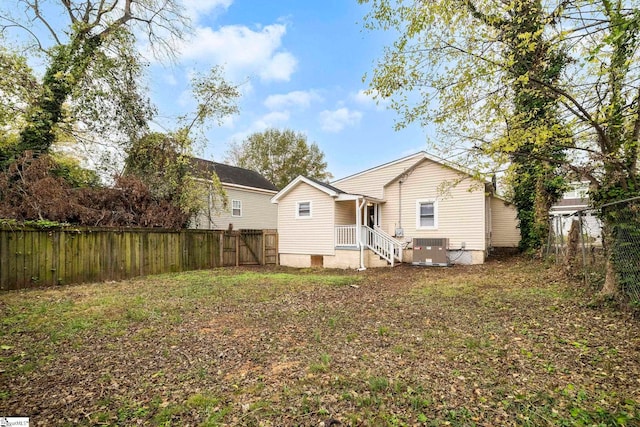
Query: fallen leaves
x,y
499,344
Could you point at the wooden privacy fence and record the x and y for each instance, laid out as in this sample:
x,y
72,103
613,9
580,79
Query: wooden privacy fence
x,y
34,257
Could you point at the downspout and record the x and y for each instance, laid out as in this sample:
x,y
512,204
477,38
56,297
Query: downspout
x,y
400,202
490,222
359,231
400,182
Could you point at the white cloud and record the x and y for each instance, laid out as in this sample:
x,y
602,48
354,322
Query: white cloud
x,y
297,98
370,99
267,121
336,120
243,51
197,8
272,119
280,67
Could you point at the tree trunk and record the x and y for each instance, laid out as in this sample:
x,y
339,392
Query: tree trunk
x,y
541,212
610,287
573,240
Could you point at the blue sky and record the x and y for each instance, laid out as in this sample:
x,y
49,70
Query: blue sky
x,y
302,64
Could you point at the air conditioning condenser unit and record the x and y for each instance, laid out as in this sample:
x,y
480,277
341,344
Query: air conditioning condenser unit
x,y
431,251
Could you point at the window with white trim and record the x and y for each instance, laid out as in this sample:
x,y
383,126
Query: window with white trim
x,y
427,214
577,190
236,208
303,210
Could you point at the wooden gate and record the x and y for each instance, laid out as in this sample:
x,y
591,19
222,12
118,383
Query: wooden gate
x,y
270,247
249,247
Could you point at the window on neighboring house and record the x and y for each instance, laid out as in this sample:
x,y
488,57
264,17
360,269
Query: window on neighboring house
x,y
236,208
303,210
427,214
577,191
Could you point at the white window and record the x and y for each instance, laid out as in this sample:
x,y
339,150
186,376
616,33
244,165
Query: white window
x,y
303,210
236,208
427,214
577,191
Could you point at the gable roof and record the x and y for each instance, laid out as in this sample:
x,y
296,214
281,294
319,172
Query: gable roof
x,y
330,190
327,186
324,187
420,156
402,159
235,175
488,185
442,162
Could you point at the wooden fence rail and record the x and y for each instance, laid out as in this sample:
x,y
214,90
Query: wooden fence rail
x,y
34,257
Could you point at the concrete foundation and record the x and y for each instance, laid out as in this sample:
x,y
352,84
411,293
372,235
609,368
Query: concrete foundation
x,y
373,260
350,259
343,258
295,260
467,257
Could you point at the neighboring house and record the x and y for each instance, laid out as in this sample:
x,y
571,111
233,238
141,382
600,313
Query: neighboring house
x,y
371,218
249,200
574,205
574,199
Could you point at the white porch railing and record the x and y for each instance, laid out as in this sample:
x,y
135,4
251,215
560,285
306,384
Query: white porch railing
x,y
384,233
346,236
382,244
377,240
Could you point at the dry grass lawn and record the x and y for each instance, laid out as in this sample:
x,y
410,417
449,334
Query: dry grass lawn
x,y
507,343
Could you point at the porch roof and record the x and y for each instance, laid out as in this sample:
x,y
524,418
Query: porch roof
x,y
345,197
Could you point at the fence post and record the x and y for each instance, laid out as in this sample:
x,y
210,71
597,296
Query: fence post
x,y
237,249
221,237
561,246
584,254
556,240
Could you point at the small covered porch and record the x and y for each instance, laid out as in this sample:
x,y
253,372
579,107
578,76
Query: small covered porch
x,y
365,233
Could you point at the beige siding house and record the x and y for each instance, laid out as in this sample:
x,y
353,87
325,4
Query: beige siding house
x,y
504,224
307,227
249,200
372,218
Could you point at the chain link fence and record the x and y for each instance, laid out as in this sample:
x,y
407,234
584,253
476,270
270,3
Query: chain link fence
x,y
576,241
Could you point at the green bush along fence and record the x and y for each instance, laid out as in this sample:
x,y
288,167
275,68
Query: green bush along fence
x,y
34,257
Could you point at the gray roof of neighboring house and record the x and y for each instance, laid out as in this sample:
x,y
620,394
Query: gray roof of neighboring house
x,y
236,175
572,202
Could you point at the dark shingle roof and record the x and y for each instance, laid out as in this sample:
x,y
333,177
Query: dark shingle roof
x,y
324,184
235,175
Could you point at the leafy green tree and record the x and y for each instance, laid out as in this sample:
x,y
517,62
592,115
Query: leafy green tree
x,y
476,66
72,172
462,67
157,160
164,161
534,131
18,86
280,156
92,47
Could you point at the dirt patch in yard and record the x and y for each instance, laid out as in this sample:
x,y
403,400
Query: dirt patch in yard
x,y
510,342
